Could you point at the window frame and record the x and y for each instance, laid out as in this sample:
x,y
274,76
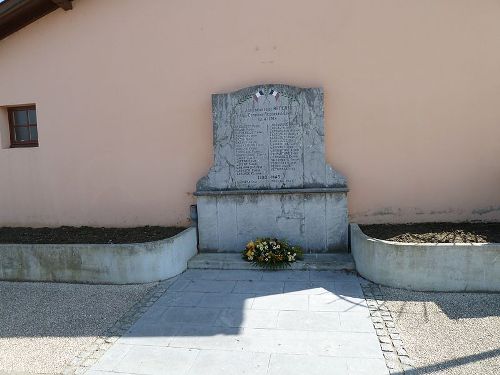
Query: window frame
x,y
12,126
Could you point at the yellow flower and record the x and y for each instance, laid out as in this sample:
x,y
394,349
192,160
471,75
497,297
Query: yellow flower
x,y
250,245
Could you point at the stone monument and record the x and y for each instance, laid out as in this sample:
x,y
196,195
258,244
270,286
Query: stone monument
x,y
269,177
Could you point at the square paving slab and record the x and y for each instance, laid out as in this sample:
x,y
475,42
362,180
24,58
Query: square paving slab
x,y
252,322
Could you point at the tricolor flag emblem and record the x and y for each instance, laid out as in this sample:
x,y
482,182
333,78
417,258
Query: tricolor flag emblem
x,y
274,93
258,94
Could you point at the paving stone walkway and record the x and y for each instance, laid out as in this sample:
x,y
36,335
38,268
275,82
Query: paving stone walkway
x,y
252,322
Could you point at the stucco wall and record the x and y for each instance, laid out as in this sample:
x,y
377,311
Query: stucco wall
x,y
122,88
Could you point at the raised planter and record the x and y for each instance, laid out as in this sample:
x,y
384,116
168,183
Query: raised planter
x,y
434,267
99,263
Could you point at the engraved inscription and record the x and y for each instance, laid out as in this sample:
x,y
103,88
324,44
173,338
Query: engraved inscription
x,y
284,146
269,136
268,143
248,149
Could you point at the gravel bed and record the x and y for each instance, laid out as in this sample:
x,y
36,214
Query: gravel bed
x,y
448,333
45,325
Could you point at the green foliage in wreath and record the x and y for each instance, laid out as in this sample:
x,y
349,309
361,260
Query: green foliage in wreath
x,y
271,253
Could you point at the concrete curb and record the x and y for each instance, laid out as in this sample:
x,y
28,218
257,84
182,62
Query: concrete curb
x,y
428,266
99,263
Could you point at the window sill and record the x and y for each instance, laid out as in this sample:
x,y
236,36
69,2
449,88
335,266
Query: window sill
x,y
23,145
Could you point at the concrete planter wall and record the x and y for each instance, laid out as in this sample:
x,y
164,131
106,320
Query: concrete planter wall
x,y
427,267
99,263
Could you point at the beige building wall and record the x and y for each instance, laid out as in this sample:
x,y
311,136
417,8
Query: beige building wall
x,y
122,89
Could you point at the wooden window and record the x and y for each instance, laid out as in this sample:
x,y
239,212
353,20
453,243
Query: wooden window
x,y
22,125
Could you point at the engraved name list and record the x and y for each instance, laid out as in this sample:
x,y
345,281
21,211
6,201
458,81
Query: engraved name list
x,y
268,145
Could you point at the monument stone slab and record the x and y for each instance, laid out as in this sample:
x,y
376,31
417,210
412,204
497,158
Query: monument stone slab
x,y
269,176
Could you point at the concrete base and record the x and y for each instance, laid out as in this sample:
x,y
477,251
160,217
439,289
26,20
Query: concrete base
x,y
427,267
316,220
99,263
229,261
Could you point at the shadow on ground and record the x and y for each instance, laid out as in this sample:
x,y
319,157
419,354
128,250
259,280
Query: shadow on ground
x,y
43,326
452,364
211,302
454,305
448,333
63,310
255,322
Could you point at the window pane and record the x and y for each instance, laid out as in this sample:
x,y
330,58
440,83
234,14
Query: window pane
x,y
20,118
32,116
33,133
22,134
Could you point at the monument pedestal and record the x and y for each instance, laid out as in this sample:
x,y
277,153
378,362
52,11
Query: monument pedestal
x,y
315,219
269,177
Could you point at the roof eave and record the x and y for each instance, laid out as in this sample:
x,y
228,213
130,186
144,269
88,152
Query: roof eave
x,y
16,14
